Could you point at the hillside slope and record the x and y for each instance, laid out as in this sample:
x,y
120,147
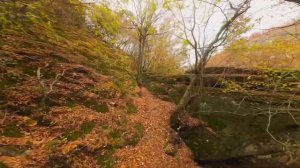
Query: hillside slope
x,y
276,48
66,97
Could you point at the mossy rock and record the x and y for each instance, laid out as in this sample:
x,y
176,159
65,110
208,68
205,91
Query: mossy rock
x,y
12,131
12,150
158,89
131,108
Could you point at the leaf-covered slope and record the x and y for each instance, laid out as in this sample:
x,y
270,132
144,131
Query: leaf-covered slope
x,y
64,93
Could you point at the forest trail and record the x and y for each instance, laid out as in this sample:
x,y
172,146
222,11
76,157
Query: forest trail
x,y
154,114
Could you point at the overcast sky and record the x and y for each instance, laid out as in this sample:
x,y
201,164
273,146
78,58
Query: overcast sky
x,y
272,13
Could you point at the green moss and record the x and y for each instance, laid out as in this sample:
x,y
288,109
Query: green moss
x,y
71,103
102,108
87,127
176,93
105,127
95,105
52,145
139,133
106,159
12,131
214,123
158,89
12,150
115,134
131,108
3,165
73,136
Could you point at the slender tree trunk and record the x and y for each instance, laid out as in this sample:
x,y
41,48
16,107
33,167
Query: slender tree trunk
x,y
187,95
141,61
195,88
201,78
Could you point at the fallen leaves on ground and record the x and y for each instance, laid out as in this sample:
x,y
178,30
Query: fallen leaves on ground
x,y
154,114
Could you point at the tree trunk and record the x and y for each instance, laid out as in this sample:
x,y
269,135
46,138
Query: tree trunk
x,y
141,61
195,88
187,95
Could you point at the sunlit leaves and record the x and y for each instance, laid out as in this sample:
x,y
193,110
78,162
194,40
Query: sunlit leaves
x,y
280,52
151,30
107,22
186,42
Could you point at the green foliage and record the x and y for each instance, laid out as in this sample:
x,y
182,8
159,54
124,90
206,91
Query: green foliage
x,y
165,54
20,15
279,52
230,86
107,22
186,42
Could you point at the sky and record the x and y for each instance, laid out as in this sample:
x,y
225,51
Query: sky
x,y
273,13
264,14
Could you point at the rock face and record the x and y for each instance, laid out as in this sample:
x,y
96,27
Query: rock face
x,y
296,1
238,135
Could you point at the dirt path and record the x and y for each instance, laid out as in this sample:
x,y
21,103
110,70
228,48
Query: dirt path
x,y
154,114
